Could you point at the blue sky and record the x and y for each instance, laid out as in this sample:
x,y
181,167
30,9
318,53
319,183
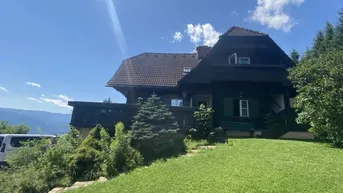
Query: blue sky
x,y
60,50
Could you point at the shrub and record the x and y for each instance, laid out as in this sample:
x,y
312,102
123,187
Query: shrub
x,y
122,157
217,135
34,168
89,157
155,132
203,123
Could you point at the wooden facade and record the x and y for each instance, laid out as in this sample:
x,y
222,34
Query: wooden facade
x,y
240,93
89,114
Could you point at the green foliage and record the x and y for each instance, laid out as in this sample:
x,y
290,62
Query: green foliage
x,y
295,56
319,85
338,40
37,167
90,155
122,157
318,44
204,129
5,128
329,37
217,135
155,132
192,144
203,123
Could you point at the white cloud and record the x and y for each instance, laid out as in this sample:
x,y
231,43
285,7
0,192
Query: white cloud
x,y
34,99
177,37
234,12
64,97
202,34
57,102
3,89
271,13
43,95
33,84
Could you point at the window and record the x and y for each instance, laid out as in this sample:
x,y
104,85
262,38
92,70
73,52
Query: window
x,y
240,108
244,60
233,59
18,141
186,70
1,139
176,102
244,108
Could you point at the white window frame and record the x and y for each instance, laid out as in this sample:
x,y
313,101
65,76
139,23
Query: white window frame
x,y
235,55
179,102
245,58
186,70
241,108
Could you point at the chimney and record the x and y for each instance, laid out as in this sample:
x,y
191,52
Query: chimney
x,y
202,51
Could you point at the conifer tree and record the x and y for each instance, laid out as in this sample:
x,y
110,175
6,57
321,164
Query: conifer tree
x,y
329,36
154,130
295,56
318,44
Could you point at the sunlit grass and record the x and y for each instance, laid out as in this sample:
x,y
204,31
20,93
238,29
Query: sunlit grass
x,y
246,165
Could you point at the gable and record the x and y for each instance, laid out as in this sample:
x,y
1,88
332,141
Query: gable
x,y
267,61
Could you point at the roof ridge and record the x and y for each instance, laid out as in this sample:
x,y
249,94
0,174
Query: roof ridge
x,y
144,53
245,29
169,53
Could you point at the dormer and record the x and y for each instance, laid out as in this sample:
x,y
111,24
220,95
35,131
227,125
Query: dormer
x,y
234,59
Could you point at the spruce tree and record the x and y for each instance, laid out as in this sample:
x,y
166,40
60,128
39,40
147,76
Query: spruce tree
x,y
295,56
154,130
318,44
338,40
329,36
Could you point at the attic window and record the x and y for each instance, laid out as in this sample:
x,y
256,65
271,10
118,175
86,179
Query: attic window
x,y
233,59
244,60
186,70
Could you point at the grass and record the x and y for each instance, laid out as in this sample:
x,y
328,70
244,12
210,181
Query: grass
x,y
247,165
194,144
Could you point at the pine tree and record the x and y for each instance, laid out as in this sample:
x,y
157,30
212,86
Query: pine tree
x,y
338,40
306,55
318,44
154,130
295,56
329,36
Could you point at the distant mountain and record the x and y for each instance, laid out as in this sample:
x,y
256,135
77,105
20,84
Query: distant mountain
x,y
47,122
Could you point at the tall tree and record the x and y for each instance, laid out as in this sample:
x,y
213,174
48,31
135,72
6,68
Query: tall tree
x,y
329,36
295,56
320,96
306,55
318,44
339,31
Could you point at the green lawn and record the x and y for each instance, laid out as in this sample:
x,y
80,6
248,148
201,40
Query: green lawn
x,y
249,165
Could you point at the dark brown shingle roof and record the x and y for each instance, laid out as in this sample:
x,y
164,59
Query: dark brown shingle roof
x,y
238,31
153,69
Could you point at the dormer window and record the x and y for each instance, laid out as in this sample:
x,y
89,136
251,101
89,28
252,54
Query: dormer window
x,y
233,59
244,60
186,70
